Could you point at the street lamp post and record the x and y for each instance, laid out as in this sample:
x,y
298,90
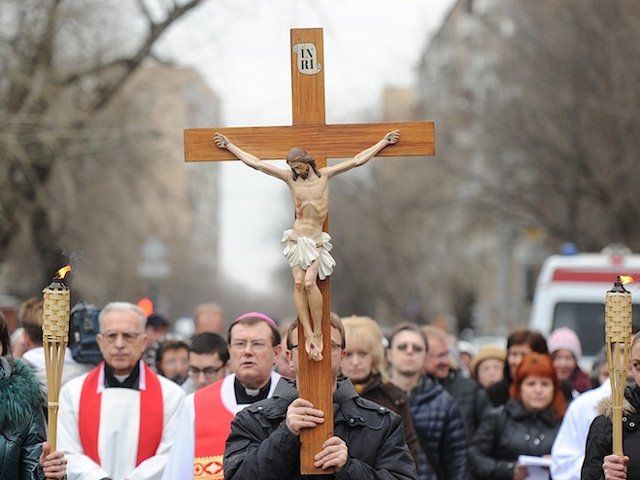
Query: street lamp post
x,y
154,265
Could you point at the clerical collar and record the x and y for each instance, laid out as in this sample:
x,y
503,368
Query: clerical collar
x,y
248,395
132,381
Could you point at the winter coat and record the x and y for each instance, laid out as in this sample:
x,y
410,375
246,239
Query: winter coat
x,y
498,393
260,446
441,432
471,398
508,432
599,439
580,381
21,425
390,396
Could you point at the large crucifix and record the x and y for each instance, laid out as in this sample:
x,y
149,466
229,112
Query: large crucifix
x,y
320,141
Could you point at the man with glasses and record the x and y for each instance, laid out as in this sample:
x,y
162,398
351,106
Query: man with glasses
x,y
208,357
254,343
472,400
436,418
368,440
118,421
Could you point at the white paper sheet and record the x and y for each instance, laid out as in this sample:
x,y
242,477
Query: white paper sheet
x,y
538,467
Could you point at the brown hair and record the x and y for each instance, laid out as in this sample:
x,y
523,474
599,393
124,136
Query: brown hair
x,y
5,339
31,316
297,154
411,327
249,320
167,346
532,338
539,365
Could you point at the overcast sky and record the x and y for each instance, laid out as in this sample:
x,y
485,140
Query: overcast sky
x,y
242,50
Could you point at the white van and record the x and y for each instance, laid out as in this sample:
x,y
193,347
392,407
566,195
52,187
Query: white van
x,y
571,291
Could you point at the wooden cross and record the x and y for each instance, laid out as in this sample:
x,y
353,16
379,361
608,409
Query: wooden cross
x,y
322,141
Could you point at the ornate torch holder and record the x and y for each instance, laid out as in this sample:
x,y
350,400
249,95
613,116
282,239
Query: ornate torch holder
x,y
55,335
618,341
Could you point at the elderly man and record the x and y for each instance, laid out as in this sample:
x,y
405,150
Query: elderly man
x,y
264,442
472,400
254,344
118,421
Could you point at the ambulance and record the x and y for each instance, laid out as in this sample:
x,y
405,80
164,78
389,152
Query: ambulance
x,y
571,289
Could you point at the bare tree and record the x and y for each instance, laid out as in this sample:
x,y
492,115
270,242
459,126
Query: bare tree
x,y
565,138
534,104
62,63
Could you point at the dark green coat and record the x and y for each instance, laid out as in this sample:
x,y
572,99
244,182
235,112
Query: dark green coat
x,y
21,425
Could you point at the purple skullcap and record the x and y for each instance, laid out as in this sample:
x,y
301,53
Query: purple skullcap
x,y
259,315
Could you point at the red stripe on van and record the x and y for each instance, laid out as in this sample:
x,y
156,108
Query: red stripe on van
x,y
564,275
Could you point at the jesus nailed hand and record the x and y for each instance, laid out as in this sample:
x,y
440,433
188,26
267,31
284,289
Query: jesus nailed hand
x,y
306,246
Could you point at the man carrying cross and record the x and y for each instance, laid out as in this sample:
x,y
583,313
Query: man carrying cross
x,y
368,439
306,245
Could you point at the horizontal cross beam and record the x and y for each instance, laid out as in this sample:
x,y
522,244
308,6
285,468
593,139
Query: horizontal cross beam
x,y
328,141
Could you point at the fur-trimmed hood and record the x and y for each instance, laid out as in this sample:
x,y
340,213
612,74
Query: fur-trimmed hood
x,y
20,395
605,407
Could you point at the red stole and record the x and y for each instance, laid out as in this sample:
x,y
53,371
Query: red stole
x,y
212,427
151,413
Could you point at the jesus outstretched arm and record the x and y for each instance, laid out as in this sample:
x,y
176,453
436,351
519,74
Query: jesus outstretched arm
x,y
306,245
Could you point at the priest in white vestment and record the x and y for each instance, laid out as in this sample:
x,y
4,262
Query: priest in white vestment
x,y
118,421
205,422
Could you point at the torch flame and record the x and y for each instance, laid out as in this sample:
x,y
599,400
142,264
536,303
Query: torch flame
x,y
624,279
63,271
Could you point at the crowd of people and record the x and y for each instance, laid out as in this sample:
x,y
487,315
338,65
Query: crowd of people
x,y
412,404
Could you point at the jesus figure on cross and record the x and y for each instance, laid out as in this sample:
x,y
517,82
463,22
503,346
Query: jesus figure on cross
x,y
306,245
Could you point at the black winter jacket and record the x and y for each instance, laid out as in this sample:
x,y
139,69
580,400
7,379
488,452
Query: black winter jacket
x,y
22,429
507,432
599,443
260,446
472,400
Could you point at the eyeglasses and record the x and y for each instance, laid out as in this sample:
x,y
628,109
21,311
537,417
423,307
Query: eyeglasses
x,y
334,346
208,372
403,347
128,337
241,345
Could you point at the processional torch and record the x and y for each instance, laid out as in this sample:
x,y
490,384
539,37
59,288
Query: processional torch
x,y
55,335
618,343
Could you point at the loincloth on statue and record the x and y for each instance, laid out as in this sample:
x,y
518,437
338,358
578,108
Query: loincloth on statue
x,y
303,251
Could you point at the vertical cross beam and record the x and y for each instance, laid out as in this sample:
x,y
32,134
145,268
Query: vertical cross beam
x,y
308,108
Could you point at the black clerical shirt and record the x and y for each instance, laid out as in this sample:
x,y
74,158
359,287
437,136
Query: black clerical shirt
x,y
132,381
242,396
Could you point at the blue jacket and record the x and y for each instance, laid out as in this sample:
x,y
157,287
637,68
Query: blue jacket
x,y
441,432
